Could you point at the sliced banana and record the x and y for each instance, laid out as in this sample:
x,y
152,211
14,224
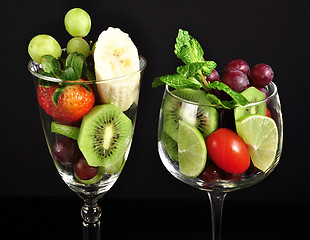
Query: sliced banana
x,y
116,56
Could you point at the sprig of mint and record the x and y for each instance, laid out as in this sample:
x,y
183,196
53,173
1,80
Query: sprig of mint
x,y
192,74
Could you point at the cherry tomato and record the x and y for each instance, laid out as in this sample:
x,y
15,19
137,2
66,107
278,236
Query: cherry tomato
x,y
228,151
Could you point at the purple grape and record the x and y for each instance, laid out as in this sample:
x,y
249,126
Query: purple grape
x,y
236,80
238,64
261,75
214,76
66,150
83,170
211,172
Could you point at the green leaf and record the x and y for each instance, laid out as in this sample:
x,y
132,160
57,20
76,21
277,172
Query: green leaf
x,y
192,69
214,100
239,99
76,61
51,66
57,94
188,48
178,81
157,82
208,67
68,73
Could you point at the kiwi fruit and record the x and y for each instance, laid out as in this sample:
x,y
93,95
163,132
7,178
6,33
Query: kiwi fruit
x,y
105,134
204,118
253,95
66,130
170,145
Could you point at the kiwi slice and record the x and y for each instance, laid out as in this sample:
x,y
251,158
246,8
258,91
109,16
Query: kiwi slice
x,y
105,134
69,131
253,95
170,145
204,118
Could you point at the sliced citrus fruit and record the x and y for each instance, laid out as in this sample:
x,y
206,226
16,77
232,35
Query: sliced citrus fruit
x,y
192,150
260,133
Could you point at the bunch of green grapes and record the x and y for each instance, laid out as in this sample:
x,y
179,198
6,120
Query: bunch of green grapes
x,y
77,23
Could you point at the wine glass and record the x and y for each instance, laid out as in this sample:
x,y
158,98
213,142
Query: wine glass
x,y
174,139
108,126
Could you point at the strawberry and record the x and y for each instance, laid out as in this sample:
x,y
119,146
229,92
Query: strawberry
x,y
72,104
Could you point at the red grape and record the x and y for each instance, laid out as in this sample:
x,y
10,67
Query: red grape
x,y
211,172
83,170
65,150
261,75
238,64
236,80
214,76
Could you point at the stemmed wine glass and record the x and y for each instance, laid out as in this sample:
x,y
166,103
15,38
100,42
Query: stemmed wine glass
x,y
69,145
179,147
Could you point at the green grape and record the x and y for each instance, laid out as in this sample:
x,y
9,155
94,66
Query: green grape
x,y
41,45
79,45
77,22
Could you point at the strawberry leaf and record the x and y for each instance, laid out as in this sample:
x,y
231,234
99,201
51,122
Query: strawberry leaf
x,y
68,73
57,94
76,61
51,65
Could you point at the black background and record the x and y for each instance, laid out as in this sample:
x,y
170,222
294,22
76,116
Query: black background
x,y
271,31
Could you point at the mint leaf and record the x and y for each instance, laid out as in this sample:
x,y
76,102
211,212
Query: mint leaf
x,y
51,66
177,81
214,100
208,67
188,48
192,69
237,97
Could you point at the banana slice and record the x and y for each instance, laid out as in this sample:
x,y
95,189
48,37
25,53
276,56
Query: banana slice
x,y
117,56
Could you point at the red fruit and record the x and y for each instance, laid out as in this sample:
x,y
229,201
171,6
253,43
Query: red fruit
x,y
83,170
228,151
236,80
214,76
261,75
45,96
238,64
268,113
74,102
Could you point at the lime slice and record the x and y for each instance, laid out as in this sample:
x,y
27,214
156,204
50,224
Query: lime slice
x,y
192,150
260,133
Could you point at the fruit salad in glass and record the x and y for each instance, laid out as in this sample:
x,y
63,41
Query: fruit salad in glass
x,y
88,99
218,130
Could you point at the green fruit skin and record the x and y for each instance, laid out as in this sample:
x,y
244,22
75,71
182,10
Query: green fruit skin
x,y
79,45
77,22
253,95
69,131
41,45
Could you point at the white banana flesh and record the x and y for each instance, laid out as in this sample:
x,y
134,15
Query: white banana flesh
x,y
116,56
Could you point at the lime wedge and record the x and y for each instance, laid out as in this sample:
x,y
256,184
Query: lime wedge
x,y
192,150
260,133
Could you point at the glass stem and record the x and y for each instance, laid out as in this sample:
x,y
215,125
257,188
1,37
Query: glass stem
x,y
91,213
216,200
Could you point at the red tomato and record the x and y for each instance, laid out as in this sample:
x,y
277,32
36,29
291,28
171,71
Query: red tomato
x,y
228,151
